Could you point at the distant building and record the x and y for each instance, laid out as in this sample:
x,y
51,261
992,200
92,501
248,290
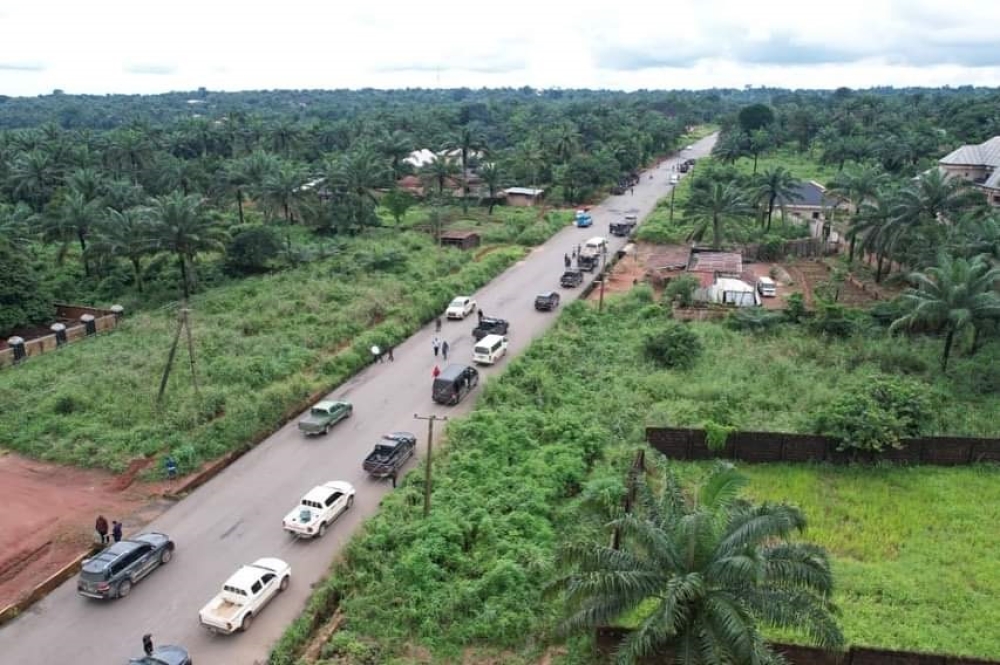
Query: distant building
x,y
979,164
523,196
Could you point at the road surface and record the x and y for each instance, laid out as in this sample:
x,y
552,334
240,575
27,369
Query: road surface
x,y
236,517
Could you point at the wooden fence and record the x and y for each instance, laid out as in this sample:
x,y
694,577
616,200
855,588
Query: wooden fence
x,y
690,444
104,321
609,638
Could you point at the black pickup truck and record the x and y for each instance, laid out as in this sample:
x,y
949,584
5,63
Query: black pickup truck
x,y
571,278
490,326
390,454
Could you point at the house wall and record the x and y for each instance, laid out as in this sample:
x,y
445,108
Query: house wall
x,y
520,200
966,171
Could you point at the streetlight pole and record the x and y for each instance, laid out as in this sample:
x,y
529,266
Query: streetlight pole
x,y
430,451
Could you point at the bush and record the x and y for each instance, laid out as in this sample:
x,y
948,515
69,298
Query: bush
x,y
795,310
875,419
22,300
674,346
755,319
681,290
252,249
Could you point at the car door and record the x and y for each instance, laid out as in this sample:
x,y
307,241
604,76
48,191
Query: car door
x,y
145,562
336,503
269,584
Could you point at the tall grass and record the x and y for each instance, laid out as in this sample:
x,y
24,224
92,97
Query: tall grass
x,y
543,456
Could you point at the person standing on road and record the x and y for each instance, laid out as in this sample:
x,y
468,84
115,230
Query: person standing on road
x,y
436,343
116,530
147,644
437,325
481,315
444,349
566,260
101,526
436,372
391,359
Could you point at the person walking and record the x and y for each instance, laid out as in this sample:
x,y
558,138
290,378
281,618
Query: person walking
x,y
481,315
101,525
436,372
437,324
376,355
566,260
444,349
436,343
147,644
116,531
391,359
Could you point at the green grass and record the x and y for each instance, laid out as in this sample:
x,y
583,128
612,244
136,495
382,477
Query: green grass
x,y
913,548
802,165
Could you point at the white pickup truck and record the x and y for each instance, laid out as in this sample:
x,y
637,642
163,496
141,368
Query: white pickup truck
x,y
319,508
244,595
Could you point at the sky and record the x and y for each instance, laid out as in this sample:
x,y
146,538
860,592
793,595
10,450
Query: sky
x,y
111,46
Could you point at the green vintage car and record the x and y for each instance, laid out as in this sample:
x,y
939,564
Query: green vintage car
x,y
325,415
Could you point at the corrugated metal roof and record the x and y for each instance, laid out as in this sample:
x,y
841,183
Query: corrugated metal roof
x,y
524,191
984,154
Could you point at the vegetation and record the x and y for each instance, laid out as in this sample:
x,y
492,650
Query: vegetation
x,y
470,578
703,572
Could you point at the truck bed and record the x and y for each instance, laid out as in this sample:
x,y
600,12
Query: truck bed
x,y
220,611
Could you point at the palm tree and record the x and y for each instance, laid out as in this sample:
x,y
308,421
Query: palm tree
x,y
76,215
179,225
729,148
130,149
854,187
530,158
705,571
713,210
876,226
492,176
236,179
952,296
16,224
441,169
34,176
565,140
282,189
127,235
396,146
358,174
777,186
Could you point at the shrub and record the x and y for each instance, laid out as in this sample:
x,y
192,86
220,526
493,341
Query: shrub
x,y
674,346
755,319
795,310
251,249
681,290
875,419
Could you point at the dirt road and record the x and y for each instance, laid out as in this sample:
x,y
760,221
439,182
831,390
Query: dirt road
x,y
236,517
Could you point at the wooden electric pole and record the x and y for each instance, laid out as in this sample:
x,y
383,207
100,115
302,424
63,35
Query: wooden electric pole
x,y
183,324
430,451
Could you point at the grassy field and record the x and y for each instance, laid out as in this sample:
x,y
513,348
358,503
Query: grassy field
x,y
263,345
913,548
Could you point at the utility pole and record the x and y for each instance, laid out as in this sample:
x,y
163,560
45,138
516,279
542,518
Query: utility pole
x,y
430,451
673,188
604,278
183,324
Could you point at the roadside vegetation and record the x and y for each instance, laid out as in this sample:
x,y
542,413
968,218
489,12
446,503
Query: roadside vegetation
x,y
541,463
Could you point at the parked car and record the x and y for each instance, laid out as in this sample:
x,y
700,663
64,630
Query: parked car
x,y
490,326
675,178
587,262
319,508
460,308
546,302
245,594
625,226
454,383
113,572
571,278
767,287
489,349
582,219
618,190
390,454
325,415
168,654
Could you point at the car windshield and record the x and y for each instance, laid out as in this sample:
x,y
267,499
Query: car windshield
x,y
457,302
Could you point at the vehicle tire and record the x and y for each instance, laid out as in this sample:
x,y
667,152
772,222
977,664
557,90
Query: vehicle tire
x,y
350,502
124,588
247,620
284,583
326,430
322,529
166,555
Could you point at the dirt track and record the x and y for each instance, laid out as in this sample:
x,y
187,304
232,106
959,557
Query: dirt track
x,y
47,515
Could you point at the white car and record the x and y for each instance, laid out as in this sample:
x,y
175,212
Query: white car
x,y
319,508
460,308
245,594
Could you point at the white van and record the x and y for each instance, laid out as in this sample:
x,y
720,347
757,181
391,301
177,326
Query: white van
x,y
766,287
595,246
489,349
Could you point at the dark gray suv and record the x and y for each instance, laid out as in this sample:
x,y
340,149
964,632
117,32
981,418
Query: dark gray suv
x,y
112,573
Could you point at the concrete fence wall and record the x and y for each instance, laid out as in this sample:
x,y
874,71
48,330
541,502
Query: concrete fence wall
x,y
690,444
608,638
104,321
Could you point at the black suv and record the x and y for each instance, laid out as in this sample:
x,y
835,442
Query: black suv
x,y
571,278
546,302
490,326
112,573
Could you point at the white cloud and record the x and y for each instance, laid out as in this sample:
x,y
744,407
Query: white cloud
x,y
135,47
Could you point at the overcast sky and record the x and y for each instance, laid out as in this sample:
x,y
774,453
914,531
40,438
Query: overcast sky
x,y
112,46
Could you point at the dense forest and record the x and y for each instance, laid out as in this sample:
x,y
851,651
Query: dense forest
x,y
146,198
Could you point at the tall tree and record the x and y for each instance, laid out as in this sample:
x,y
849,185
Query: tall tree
x,y
17,224
358,174
492,176
954,295
705,571
180,225
124,235
441,169
712,211
35,176
854,187
777,186
396,146
282,190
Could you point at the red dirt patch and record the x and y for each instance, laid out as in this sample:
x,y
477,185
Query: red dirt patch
x,y
47,515
629,271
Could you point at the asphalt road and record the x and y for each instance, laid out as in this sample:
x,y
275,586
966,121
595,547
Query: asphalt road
x,y
236,517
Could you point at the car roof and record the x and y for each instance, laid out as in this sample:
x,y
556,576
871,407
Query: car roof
x,y
116,551
396,436
250,573
547,294
486,340
327,404
321,492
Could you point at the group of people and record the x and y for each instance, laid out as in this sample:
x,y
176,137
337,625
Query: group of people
x,y
101,526
568,259
378,355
